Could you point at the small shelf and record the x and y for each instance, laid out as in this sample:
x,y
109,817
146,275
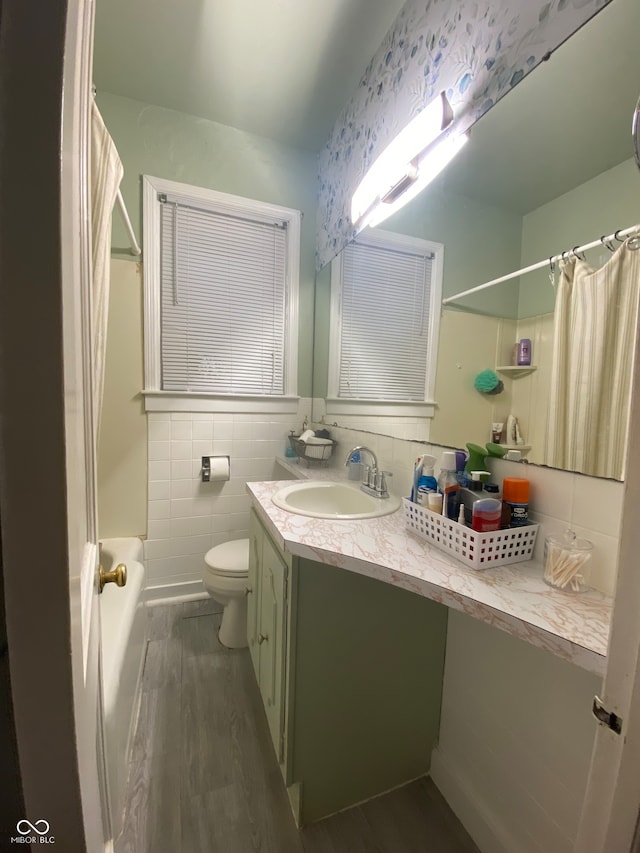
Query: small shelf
x,y
516,371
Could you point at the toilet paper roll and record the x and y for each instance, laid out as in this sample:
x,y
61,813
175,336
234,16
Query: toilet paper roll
x,y
219,468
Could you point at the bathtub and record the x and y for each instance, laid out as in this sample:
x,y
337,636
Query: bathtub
x,y
124,638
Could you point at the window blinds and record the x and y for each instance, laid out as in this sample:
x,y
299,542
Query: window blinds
x,y
385,304
223,296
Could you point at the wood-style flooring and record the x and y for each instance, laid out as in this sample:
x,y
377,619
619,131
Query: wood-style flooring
x,y
203,776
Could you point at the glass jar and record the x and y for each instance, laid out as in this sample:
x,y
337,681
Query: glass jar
x,y
566,562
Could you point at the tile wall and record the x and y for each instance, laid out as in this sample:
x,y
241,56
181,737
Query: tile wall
x,y
187,517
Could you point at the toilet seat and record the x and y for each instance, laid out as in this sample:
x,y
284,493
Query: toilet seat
x,y
231,559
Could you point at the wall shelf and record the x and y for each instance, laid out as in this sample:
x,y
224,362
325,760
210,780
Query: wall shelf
x,y
515,372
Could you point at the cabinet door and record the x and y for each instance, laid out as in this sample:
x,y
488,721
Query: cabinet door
x,y
272,640
256,537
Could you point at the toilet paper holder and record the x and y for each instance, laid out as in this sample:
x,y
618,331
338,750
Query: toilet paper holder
x,y
215,468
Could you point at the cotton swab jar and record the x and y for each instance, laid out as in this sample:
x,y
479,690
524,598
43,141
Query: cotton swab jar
x,y
566,562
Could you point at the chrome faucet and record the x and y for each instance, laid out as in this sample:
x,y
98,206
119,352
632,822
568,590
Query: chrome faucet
x,y
373,481
362,449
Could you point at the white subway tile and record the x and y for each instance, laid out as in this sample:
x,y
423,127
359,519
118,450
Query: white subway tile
x,y
182,470
160,490
202,416
202,430
180,450
244,449
603,569
222,430
158,529
551,491
159,509
201,448
181,431
243,430
189,526
597,504
159,451
159,430
222,448
155,549
154,417
182,489
159,471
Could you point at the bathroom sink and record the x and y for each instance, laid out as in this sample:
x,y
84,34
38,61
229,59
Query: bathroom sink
x,y
322,499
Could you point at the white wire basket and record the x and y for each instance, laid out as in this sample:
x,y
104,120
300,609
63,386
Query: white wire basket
x,y
477,550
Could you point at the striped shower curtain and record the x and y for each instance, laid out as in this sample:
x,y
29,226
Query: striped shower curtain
x,y
106,174
593,344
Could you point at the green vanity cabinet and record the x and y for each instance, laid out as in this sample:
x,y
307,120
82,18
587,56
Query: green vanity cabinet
x,y
266,626
360,672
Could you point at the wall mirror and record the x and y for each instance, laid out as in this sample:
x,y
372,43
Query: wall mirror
x,y
550,167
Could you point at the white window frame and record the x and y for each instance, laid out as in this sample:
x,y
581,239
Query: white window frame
x,y
336,405
157,400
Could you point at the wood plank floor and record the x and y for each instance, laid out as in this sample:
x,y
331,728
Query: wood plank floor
x,y
203,776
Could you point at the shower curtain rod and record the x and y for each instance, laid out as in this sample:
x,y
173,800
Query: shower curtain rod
x,y
135,248
546,263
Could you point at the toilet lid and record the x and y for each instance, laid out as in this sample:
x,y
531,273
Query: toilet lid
x,y
229,559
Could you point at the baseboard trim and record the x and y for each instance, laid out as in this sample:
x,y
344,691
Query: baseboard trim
x,y
175,593
468,805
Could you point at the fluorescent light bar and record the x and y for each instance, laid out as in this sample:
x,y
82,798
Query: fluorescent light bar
x,y
407,164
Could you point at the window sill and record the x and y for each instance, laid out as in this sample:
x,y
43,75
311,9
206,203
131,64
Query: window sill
x,y
194,401
380,408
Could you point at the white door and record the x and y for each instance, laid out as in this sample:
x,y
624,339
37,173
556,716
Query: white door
x,y
47,453
80,429
612,801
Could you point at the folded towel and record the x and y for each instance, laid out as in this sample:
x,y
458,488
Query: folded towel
x,y
307,435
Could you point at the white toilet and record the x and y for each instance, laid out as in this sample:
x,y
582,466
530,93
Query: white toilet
x,y
225,578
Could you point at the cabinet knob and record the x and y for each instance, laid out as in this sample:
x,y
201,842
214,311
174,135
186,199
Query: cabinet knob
x,y
248,590
262,638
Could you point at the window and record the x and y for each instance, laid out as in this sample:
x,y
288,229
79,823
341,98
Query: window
x,y
221,300
385,311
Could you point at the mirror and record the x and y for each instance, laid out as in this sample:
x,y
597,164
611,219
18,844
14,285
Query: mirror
x,y
550,167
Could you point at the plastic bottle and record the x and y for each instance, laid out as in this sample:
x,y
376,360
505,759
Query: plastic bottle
x,y
470,494
448,485
486,515
524,352
515,502
427,482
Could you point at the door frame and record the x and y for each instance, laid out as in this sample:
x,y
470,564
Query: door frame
x,y
40,620
43,63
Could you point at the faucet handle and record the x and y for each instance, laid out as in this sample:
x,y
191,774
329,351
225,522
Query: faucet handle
x,y
381,481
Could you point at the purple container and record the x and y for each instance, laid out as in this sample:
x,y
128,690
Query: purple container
x,y
524,352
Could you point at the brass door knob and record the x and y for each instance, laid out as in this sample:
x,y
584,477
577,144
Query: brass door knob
x,y
117,576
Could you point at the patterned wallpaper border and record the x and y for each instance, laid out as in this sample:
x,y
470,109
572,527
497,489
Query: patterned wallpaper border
x,y
475,51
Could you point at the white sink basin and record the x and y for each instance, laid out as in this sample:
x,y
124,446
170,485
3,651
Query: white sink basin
x,y
322,499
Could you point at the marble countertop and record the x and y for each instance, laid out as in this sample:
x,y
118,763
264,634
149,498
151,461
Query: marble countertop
x,y
513,598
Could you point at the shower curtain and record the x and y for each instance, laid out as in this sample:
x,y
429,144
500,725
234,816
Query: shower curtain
x,y
106,174
593,344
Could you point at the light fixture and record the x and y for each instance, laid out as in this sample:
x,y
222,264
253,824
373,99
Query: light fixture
x,y
410,162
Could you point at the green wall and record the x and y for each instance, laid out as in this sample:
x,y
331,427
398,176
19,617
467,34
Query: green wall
x,y
168,144
598,207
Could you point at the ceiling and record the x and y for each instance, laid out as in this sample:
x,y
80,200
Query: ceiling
x,y
283,69
277,68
